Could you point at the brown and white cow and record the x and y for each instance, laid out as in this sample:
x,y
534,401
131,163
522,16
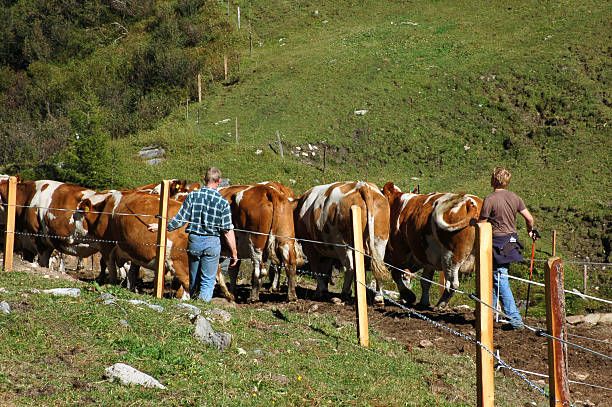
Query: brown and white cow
x,y
120,220
176,187
44,209
323,214
264,210
433,232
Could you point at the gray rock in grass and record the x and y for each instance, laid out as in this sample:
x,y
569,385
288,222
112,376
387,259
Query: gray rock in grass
x,y
205,332
127,375
5,307
69,292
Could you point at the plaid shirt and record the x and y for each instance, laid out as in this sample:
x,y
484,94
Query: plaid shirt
x,y
207,212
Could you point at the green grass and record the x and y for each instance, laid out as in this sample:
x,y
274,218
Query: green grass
x,y
53,351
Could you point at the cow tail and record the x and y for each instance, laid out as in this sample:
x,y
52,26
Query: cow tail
x,y
379,270
272,242
472,212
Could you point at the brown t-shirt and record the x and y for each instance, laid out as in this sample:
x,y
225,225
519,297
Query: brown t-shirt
x,y
500,209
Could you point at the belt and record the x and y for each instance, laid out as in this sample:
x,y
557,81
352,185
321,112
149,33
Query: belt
x,y
198,234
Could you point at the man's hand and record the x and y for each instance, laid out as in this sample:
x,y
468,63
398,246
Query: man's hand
x,y
152,227
234,259
534,234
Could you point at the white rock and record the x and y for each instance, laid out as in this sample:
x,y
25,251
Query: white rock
x,y
219,314
606,319
575,319
158,308
592,318
192,309
361,112
70,292
425,343
5,307
127,375
258,152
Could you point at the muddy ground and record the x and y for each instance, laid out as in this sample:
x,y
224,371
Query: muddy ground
x,y
520,349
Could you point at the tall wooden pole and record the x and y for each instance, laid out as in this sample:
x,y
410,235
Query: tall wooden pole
x,y
484,315
9,242
360,289
280,145
199,88
555,322
225,65
161,239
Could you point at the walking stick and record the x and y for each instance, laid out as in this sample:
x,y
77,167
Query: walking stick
x,y
536,236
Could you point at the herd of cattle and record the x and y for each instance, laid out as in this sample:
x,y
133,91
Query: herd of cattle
x,y
405,230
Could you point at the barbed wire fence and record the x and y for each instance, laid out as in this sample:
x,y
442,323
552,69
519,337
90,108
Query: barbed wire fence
x,y
540,332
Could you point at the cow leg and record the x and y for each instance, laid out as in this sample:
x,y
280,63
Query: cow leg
x,y
62,263
452,276
80,264
425,285
322,269
347,286
101,279
403,282
274,272
221,282
233,275
259,272
44,255
291,283
132,276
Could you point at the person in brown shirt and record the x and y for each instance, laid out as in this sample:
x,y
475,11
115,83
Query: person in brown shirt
x,y
500,209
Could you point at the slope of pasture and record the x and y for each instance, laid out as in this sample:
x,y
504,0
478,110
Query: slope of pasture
x,y
451,89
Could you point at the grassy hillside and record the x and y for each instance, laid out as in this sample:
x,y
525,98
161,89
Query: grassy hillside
x,y
53,352
451,89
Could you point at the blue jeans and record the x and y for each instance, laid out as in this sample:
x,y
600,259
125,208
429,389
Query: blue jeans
x,y
501,284
203,253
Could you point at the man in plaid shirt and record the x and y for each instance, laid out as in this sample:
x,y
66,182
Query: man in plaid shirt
x,y
208,216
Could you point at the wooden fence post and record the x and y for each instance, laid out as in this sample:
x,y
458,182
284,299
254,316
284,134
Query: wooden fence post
x,y
161,239
555,322
360,289
199,88
9,242
484,315
225,66
280,145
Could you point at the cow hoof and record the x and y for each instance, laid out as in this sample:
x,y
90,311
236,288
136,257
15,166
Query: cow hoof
x,y
292,298
379,301
408,297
